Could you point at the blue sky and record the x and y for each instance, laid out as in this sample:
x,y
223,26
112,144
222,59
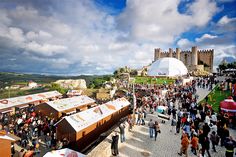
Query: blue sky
x,y
96,37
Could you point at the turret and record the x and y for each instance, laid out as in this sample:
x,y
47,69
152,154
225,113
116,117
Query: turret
x,y
194,56
157,54
178,53
170,52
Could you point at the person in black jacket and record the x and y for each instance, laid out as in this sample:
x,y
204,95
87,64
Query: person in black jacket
x,y
114,144
206,146
230,144
206,129
224,135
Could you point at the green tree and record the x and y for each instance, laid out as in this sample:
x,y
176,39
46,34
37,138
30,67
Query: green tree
x,y
133,72
222,67
92,85
55,86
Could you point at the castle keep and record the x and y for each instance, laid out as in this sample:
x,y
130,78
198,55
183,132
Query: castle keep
x,y
193,60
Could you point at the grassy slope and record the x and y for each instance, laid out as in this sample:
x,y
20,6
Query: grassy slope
x,y
148,80
14,93
215,97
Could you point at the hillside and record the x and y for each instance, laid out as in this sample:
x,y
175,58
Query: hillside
x,y
9,79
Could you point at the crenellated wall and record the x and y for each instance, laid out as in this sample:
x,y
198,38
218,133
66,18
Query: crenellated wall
x,y
191,58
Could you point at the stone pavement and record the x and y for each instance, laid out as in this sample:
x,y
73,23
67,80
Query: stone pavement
x,y
139,144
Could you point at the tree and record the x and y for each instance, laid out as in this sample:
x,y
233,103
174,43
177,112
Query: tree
x,y
91,85
122,70
133,72
222,67
55,86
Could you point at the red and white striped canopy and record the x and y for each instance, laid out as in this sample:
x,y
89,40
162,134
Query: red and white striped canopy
x,y
228,105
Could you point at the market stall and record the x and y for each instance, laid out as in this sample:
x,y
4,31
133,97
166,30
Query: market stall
x,y
5,144
9,104
64,153
71,93
86,126
65,106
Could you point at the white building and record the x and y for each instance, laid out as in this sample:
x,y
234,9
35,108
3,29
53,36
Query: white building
x,y
32,84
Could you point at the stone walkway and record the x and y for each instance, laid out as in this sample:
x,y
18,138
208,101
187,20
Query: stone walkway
x,y
138,143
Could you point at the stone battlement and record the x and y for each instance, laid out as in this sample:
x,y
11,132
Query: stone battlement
x,y
206,51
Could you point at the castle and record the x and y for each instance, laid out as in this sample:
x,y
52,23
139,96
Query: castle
x,y
193,60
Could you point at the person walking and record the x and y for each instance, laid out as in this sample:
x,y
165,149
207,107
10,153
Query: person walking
x,y
122,132
178,125
194,143
114,144
206,129
130,123
214,140
48,140
151,128
206,146
184,145
173,124
139,118
156,129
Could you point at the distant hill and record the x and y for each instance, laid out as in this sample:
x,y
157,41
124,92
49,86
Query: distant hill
x,y
230,59
9,78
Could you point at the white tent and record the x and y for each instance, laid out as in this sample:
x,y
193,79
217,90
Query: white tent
x,y
64,153
167,67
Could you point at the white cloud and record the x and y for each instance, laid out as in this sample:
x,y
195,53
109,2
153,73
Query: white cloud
x,y
80,34
38,35
202,11
205,37
225,20
13,33
160,22
45,49
184,43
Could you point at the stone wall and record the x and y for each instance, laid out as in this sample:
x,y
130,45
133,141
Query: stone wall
x,y
189,58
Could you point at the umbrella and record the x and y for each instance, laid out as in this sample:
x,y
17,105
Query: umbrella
x,y
64,153
228,105
161,108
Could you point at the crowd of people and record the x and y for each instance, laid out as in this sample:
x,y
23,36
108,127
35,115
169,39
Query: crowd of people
x,y
32,129
200,125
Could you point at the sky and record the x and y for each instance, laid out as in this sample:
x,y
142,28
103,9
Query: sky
x,y
75,37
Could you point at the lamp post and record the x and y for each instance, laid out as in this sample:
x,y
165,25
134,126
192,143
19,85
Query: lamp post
x,y
134,103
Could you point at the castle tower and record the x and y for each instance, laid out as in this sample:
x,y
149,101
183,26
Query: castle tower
x,y
194,56
170,52
178,53
211,60
157,54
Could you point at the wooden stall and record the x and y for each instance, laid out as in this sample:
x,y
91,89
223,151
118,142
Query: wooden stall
x,y
86,126
67,106
5,144
71,93
9,104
